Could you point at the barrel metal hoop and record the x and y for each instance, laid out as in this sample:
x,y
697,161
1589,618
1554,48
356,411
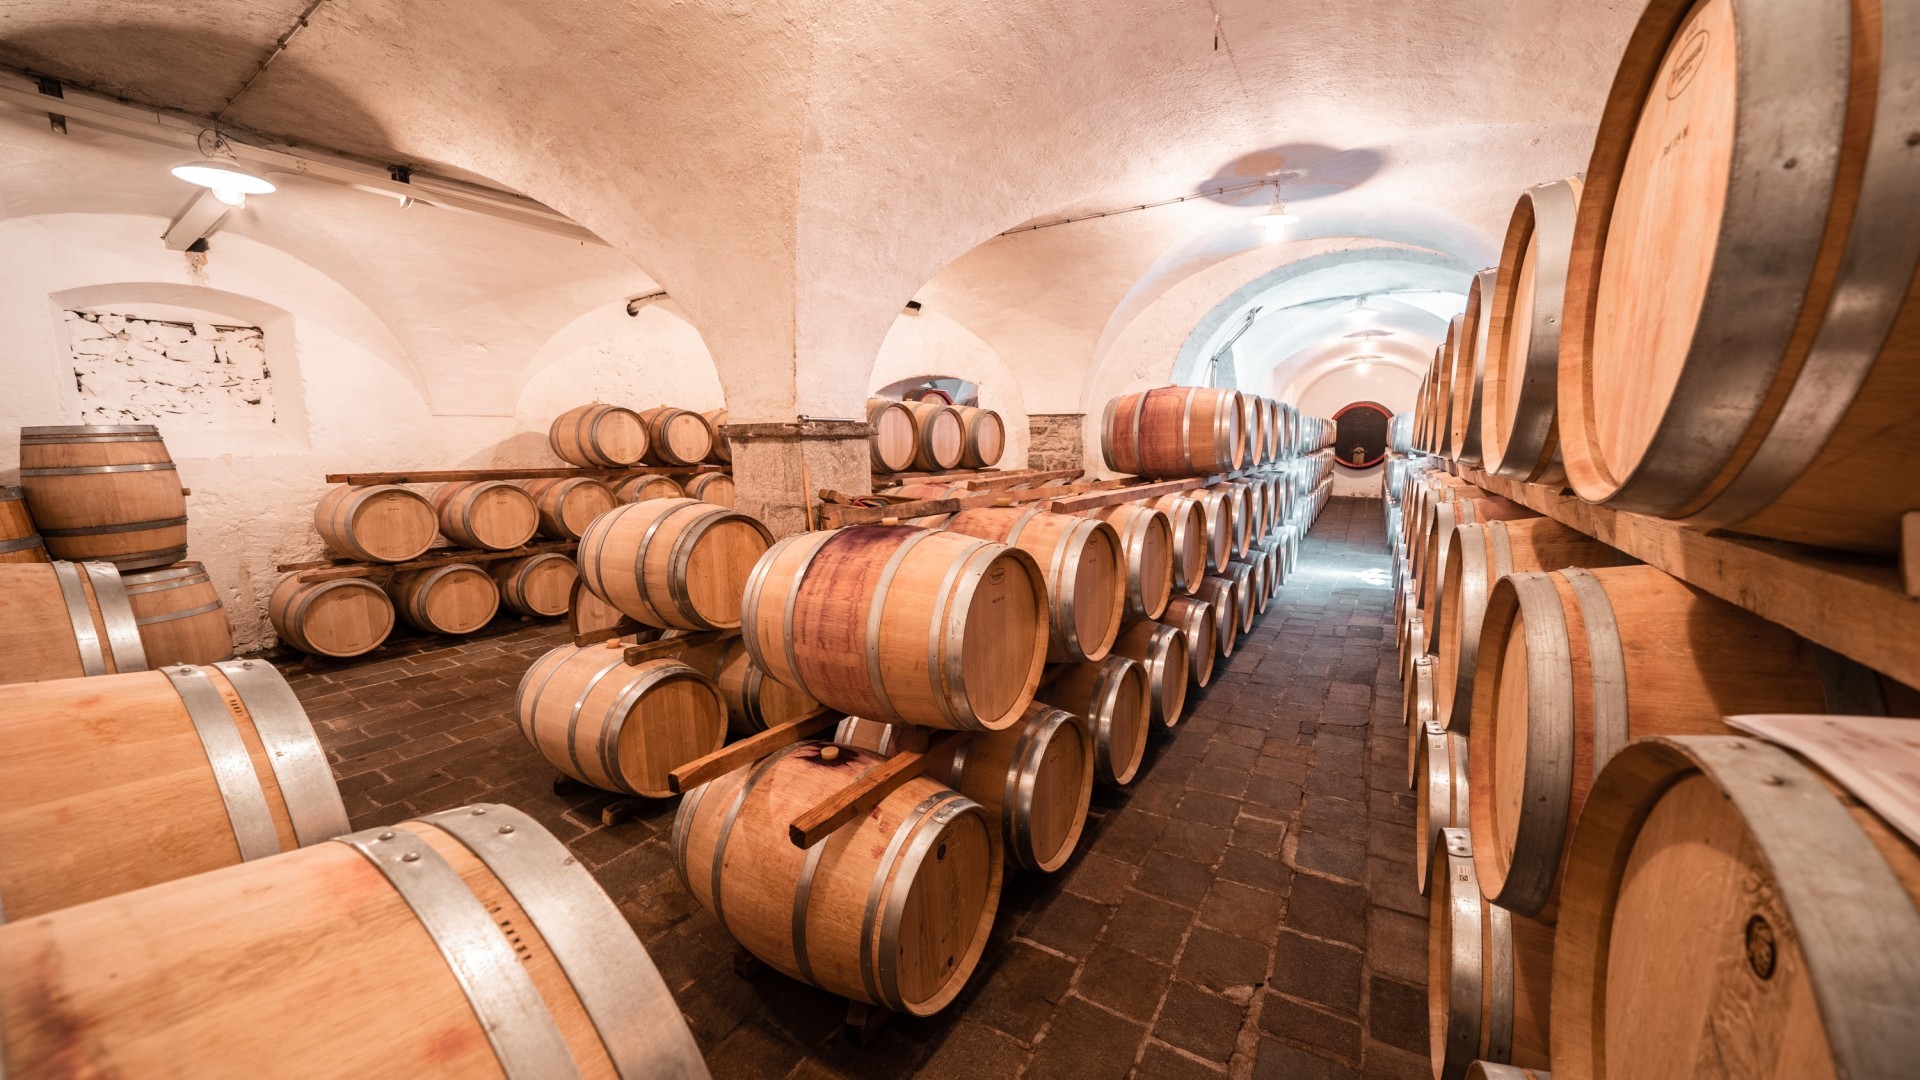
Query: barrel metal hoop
x,y
504,999
616,981
579,703
803,893
876,610
1016,793
1607,659
127,527
116,612
93,660
59,433
683,830
22,543
171,616
934,822
1062,573
1547,791
1464,1018
678,576
1532,438
520,712
293,750
1500,988
937,626
1101,707
877,890
640,575
1476,581
159,581
232,766
90,470
726,826
793,597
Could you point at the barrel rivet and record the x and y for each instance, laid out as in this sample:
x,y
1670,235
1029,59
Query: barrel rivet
x,y
505,829
411,856
1790,163
246,665
1772,781
388,835
479,810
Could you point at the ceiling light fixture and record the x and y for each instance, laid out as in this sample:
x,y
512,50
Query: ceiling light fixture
x,y
1364,364
1276,216
229,181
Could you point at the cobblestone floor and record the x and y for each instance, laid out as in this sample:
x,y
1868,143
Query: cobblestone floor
x,y
1247,909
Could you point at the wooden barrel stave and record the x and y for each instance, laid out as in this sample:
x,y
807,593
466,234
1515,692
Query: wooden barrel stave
x,y
755,700
180,615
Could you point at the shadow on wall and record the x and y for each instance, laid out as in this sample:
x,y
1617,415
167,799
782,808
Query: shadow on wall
x,y
1305,171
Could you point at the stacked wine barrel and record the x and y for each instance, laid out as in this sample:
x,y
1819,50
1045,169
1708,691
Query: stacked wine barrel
x,y
933,435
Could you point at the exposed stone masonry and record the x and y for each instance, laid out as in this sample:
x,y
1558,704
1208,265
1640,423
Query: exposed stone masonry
x,y
1057,440
133,371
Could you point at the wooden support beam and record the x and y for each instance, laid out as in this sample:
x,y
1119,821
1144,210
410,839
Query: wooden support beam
x,y
674,646
1094,500
870,790
329,569
1910,552
1001,481
449,476
749,750
1853,604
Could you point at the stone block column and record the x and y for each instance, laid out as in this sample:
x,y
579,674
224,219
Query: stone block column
x,y
1057,440
779,467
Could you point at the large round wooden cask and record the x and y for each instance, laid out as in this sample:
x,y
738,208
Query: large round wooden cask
x,y
1224,605
105,493
1222,530
387,523
900,623
896,435
1194,619
1036,779
1174,431
1479,555
1241,575
538,585
1489,971
491,515
1161,651
648,486
939,435
1245,513
119,782
755,700
1575,663
1147,544
1114,696
676,436
677,564
1431,560
341,617
1188,521
618,726
1083,564
1520,400
455,598
983,437
568,504
62,620
604,435
1742,333
892,909
180,616
1441,795
722,452
464,943
1255,575
19,542
1729,907
714,487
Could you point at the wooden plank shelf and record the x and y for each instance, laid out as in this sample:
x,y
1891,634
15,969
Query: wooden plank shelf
x,y
329,569
449,476
1855,605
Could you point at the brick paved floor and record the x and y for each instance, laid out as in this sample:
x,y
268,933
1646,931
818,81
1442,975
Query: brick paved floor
x,y
1246,909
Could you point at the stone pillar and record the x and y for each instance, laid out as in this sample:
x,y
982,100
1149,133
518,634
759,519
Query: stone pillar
x,y
1056,440
778,467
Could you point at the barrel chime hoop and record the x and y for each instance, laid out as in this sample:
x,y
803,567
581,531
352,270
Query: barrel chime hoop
x,y
69,433
937,675
293,750
126,527
1107,437
733,813
1540,834
520,714
683,829
93,660
1106,701
1532,441
931,824
622,707
92,470
681,555
1463,981
876,611
1500,988
168,583
1473,599
1608,662
497,986
22,544
878,888
232,766
1439,754
1016,793
793,597
803,887
579,703
116,611
608,969
1066,571
640,574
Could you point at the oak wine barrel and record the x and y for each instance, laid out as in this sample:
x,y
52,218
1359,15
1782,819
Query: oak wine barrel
x,y
1739,338
62,620
1188,520
1161,652
900,623
1222,535
714,487
1729,905
491,515
464,943
119,782
104,493
538,585
648,486
454,598
1035,779
1194,619
568,504
1575,663
1489,971
722,452
1520,399
983,437
755,700
893,909
896,435
1244,587
607,436
1114,696
180,616
618,726
1147,544
1082,561
673,563
19,543
1441,791
1174,431
386,523
676,436
341,617
939,435
1245,513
